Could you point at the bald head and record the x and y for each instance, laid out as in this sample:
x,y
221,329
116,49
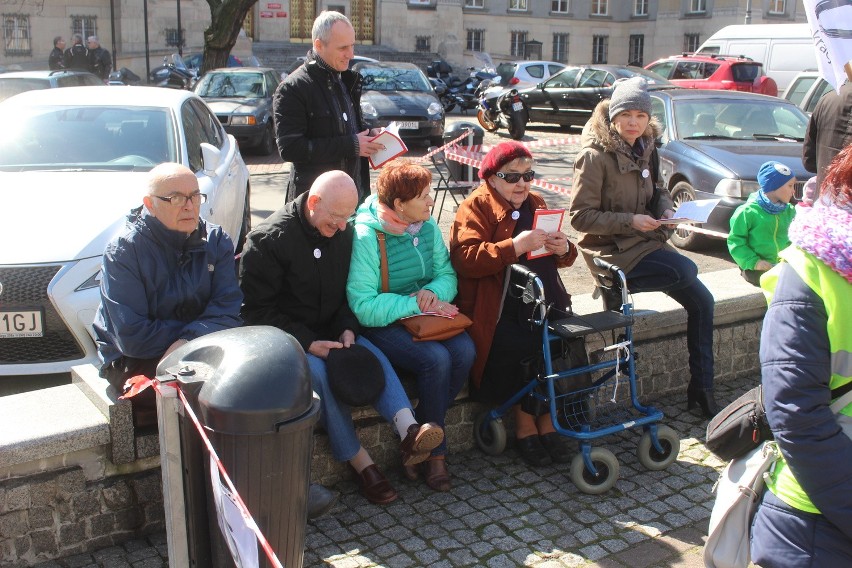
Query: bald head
x,y
173,197
331,201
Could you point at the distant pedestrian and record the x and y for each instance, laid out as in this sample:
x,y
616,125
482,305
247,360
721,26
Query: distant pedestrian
x,y
77,56
100,60
828,132
56,59
759,226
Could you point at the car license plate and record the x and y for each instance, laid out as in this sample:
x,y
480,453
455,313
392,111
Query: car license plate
x,y
409,125
518,106
21,324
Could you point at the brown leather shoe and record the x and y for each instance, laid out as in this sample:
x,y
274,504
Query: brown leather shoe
x,y
436,473
411,472
419,442
374,485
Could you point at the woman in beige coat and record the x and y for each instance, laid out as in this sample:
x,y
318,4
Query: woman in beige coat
x,y
617,210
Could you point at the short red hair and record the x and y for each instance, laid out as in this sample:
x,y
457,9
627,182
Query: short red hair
x,y
401,180
837,185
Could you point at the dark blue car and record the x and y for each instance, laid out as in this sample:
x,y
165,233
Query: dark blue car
x,y
713,144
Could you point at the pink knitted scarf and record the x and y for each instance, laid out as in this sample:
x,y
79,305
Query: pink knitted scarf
x,y
825,231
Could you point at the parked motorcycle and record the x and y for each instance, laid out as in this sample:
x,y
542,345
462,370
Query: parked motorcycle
x,y
173,73
123,76
456,91
502,108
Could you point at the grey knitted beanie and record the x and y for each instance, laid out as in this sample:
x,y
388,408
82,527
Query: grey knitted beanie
x,y
630,94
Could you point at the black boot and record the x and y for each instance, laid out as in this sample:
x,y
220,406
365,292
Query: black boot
x,y
703,398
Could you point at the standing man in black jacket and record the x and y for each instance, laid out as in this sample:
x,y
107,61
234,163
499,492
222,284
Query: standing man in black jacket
x,y
56,59
77,56
99,58
318,123
829,131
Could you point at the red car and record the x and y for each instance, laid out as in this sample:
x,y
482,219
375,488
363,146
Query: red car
x,y
727,72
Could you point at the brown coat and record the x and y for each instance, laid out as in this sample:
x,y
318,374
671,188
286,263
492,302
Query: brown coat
x,y
481,249
609,189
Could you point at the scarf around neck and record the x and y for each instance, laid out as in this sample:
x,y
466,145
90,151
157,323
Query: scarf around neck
x,y
393,223
825,231
768,205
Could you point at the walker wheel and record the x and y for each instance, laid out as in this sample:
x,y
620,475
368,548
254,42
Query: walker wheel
x,y
648,454
607,465
491,437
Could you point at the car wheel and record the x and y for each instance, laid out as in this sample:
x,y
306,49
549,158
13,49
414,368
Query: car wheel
x,y
517,125
246,225
687,240
267,145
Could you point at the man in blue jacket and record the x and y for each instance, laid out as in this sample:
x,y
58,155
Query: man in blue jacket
x,y
167,279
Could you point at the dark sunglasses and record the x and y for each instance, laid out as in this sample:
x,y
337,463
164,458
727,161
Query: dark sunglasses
x,y
514,177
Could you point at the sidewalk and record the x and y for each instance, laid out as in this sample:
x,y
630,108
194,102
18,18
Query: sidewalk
x,y
503,513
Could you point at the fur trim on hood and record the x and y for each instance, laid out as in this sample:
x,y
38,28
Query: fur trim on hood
x,y
599,130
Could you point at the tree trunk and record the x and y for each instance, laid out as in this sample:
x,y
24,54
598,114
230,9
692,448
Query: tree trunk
x,y
226,21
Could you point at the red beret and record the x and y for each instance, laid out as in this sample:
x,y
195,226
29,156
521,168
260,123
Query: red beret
x,y
500,155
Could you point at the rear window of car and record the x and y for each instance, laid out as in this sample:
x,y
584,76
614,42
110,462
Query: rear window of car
x,y
506,72
536,71
797,91
746,72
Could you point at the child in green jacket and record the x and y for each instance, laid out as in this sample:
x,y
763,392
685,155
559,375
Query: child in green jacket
x,y
759,226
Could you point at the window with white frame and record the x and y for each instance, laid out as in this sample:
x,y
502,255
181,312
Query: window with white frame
x,y
636,51
474,3
559,6
475,40
85,26
600,46
600,7
560,48
697,6
777,6
517,43
640,7
691,42
518,5
16,34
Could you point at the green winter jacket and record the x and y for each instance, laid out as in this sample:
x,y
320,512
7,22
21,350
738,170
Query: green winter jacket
x,y
757,235
414,263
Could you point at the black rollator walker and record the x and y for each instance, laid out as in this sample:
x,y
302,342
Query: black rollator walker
x,y
586,413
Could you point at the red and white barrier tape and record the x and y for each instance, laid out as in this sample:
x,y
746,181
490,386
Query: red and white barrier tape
x,y
445,146
474,159
139,384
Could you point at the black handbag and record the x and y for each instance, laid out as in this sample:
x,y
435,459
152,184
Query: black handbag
x,y
740,427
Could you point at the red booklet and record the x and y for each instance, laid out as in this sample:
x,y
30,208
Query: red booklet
x,y
394,146
548,220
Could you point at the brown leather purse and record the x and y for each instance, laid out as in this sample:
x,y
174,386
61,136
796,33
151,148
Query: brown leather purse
x,y
423,327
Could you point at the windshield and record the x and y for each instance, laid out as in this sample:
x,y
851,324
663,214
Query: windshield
x,y
389,79
10,86
86,137
738,119
229,85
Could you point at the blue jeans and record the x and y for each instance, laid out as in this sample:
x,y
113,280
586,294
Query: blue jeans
x,y
336,417
441,368
677,276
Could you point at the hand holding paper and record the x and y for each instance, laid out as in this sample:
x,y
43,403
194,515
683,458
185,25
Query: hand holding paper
x,y
549,221
692,212
393,146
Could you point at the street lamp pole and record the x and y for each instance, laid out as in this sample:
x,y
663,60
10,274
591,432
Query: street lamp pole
x,y
147,50
748,12
112,26
179,31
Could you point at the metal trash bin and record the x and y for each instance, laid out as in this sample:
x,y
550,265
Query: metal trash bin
x,y
251,390
458,170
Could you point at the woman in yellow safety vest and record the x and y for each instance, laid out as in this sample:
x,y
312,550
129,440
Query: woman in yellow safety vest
x,y
805,517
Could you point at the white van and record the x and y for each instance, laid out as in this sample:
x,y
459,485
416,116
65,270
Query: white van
x,y
784,49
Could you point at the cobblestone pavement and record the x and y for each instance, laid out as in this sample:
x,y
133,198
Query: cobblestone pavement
x,y
503,513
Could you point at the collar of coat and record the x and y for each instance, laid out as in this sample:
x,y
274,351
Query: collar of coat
x,y
315,64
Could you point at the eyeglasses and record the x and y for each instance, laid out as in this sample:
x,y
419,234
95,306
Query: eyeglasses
x,y
515,177
334,217
179,199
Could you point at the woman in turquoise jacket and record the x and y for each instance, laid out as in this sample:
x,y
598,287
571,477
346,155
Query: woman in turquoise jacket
x,y
420,279
759,226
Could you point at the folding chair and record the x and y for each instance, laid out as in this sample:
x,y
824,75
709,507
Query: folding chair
x,y
447,183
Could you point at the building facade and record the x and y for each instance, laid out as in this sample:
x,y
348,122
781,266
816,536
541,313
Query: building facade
x,y
571,31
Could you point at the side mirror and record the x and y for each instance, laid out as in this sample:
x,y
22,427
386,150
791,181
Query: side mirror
x,y
540,86
211,157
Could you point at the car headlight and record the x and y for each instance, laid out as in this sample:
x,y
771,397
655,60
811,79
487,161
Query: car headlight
x,y
736,188
244,120
367,109
434,109
93,281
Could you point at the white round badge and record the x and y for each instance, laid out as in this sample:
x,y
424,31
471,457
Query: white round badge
x,y
645,173
416,241
515,215
317,253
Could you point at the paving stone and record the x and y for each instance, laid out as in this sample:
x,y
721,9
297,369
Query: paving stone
x,y
593,552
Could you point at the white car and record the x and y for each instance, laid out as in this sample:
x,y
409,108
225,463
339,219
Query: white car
x,y
524,74
806,89
73,164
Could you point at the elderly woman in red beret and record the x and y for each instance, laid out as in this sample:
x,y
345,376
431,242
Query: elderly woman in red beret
x,y
493,229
